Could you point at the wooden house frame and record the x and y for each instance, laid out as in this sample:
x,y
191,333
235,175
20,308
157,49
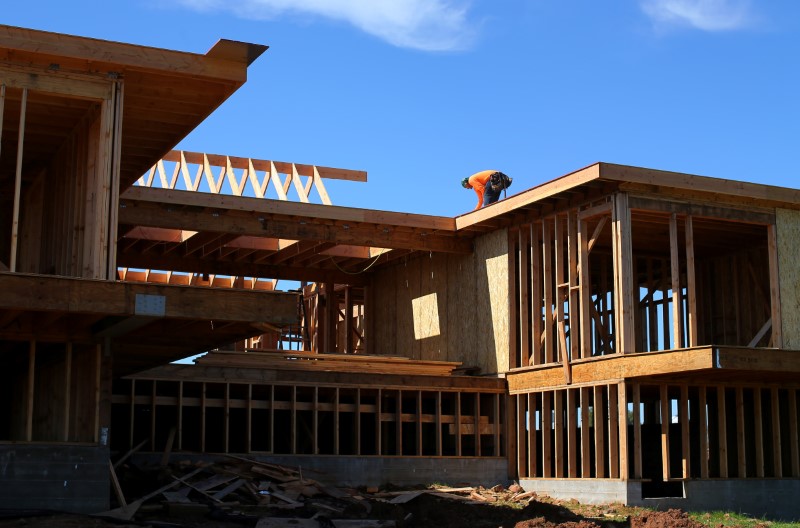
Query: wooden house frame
x,y
615,334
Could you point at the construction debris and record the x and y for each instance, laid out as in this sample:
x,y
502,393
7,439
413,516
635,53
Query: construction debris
x,y
264,495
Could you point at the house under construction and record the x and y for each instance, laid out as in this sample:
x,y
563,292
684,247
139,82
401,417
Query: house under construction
x,y
617,334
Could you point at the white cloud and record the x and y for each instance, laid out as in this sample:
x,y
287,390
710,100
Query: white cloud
x,y
429,25
707,15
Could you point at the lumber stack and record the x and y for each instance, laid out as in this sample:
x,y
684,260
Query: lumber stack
x,y
360,363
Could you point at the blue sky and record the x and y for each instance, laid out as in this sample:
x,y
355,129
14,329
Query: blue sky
x,y
421,93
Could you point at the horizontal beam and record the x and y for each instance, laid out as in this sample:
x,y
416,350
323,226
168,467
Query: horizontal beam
x,y
266,223
228,64
616,367
172,262
46,294
281,207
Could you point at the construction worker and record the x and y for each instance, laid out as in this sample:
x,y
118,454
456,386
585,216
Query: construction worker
x,y
487,185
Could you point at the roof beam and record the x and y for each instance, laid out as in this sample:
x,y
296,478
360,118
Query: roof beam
x,y
293,227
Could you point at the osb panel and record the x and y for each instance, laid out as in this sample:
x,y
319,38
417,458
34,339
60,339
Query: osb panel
x,y
447,307
460,310
788,233
492,317
383,309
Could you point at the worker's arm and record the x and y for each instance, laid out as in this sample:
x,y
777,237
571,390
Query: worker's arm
x,y
479,192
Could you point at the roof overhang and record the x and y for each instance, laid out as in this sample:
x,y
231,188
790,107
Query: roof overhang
x,y
167,94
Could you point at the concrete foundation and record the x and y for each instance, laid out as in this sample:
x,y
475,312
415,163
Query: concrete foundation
x,y
355,471
60,477
773,499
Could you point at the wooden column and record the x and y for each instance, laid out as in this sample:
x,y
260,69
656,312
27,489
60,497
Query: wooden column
x,y
458,424
624,306
348,321
741,453
702,419
586,462
614,444
331,319
572,432
532,444
439,423
536,297
675,269
517,441
515,307
559,429
547,274
665,419
31,392
18,181
774,288
777,457
637,431
793,432
691,286
683,416
600,414
623,430
524,294
576,321
758,432
723,433
547,425
584,281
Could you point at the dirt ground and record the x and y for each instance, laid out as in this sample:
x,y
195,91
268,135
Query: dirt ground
x,y
238,492
424,511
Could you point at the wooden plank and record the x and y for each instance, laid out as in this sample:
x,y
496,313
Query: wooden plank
x,y
572,396
665,421
675,269
29,410
623,430
683,416
623,273
516,308
741,451
12,266
614,461
533,422
774,288
793,433
691,286
586,463
694,184
723,432
777,457
585,294
637,430
560,432
549,294
575,313
547,427
524,306
600,416
758,432
458,423
536,296
703,432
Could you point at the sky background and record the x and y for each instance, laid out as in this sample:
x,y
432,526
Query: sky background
x,y
422,93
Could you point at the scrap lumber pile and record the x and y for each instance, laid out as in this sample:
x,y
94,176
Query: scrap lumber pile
x,y
287,360
246,491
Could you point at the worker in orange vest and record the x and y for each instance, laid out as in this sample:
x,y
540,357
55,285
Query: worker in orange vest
x,y
487,185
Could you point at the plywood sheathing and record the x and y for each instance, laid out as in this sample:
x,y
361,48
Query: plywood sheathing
x,y
787,225
447,307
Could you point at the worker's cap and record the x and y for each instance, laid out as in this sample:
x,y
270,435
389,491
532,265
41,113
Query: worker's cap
x,y
465,182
